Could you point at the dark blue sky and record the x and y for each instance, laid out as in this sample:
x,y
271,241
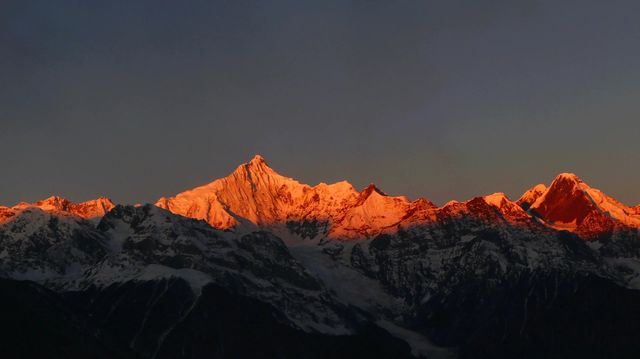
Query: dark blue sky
x,y
443,99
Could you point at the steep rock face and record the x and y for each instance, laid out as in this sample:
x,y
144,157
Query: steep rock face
x,y
570,204
566,202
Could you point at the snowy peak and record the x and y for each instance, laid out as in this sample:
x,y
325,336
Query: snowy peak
x,y
54,202
88,210
565,203
253,191
372,213
257,167
495,208
531,195
369,191
255,195
568,177
372,188
497,199
373,194
258,159
510,210
569,203
92,209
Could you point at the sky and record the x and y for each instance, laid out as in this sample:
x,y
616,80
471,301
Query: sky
x,y
448,99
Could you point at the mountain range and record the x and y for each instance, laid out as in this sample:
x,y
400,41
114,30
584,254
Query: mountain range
x,y
314,271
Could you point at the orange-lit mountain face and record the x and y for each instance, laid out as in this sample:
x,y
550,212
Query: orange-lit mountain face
x,y
57,205
571,204
530,196
256,195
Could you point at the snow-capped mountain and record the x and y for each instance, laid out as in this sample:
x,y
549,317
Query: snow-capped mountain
x,y
256,256
418,251
254,193
148,254
50,238
571,204
90,209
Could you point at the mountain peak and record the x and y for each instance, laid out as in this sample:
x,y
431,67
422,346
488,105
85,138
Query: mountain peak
x,y
531,195
256,167
371,191
255,194
566,183
372,188
565,202
89,209
568,177
55,198
496,199
569,203
56,203
258,160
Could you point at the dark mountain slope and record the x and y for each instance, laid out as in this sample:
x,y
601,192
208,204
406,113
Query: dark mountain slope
x,y
37,323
